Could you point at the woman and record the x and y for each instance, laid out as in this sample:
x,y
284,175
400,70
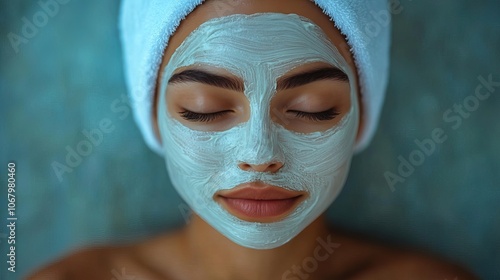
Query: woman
x,y
257,110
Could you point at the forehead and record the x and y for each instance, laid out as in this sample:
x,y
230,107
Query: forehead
x,y
258,44
213,9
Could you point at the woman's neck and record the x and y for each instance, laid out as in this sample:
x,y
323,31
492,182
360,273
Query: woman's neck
x,y
216,257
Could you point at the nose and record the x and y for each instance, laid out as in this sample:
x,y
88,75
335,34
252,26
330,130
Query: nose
x,y
266,167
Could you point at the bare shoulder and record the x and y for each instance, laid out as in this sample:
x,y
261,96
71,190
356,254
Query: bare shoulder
x,y
107,262
414,266
359,259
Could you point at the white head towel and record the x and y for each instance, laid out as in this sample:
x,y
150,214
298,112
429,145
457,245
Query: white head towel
x,y
146,26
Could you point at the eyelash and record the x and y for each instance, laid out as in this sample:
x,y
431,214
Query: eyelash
x,y
320,116
329,114
198,117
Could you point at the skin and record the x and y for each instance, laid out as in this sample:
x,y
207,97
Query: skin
x,y
197,251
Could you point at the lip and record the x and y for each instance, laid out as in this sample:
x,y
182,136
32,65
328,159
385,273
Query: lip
x,y
259,202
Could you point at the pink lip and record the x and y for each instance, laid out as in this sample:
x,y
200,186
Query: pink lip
x,y
259,202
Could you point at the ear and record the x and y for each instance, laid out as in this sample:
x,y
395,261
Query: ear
x,y
154,117
361,110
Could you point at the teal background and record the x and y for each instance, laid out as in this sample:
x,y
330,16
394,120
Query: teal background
x,y
68,76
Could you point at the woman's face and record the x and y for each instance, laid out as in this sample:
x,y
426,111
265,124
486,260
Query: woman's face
x,y
258,116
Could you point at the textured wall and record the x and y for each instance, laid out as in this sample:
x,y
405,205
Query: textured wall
x,y
67,77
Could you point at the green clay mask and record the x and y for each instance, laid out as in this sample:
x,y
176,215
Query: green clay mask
x,y
258,48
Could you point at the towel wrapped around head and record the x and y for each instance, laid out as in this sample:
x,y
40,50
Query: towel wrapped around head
x,y
146,26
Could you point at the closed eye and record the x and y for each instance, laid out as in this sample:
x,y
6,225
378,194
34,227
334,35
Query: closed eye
x,y
207,117
202,117
319,116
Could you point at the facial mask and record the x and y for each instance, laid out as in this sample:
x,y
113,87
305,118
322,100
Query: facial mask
x,y
258,48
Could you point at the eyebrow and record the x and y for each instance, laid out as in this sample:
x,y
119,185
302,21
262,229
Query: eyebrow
x,y
300,79
200,76
319,74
